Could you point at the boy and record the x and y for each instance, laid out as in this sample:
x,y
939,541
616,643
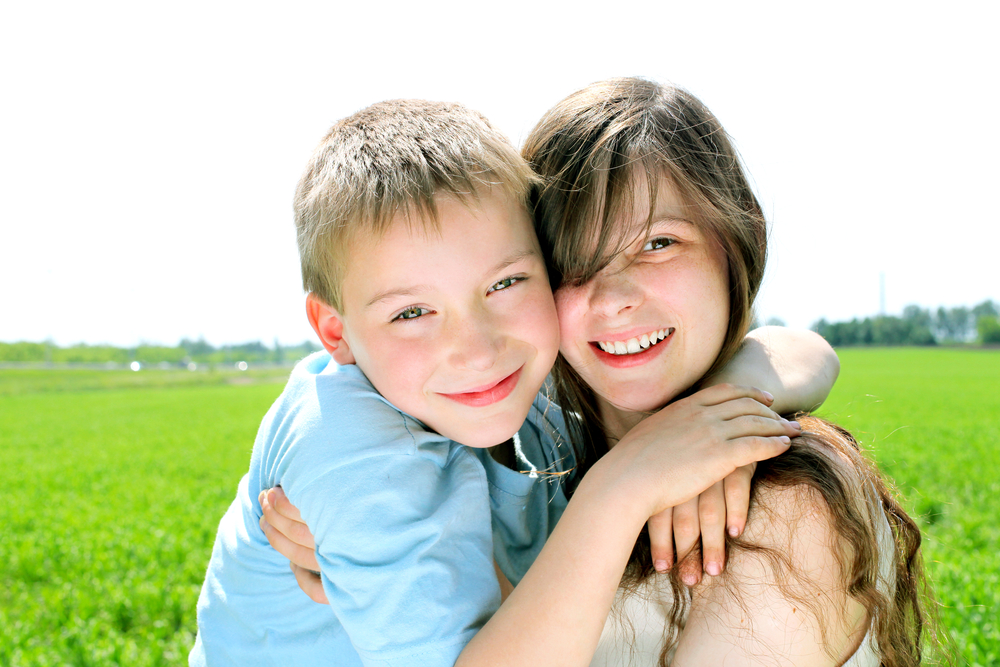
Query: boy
x,y
465,351
427,286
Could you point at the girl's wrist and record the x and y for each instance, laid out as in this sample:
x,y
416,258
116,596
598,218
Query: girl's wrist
x,y
610,483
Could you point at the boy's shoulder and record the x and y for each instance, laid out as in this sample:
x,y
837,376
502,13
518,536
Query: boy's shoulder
x,y
330,416
332,400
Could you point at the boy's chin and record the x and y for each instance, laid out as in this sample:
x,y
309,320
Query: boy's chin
x,y
479,438
486,432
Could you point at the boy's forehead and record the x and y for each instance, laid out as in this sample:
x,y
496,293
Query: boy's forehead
x,y
410,234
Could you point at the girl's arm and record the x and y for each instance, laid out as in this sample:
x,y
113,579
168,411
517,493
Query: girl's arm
x,y
825,551
557,612
798,368
755,612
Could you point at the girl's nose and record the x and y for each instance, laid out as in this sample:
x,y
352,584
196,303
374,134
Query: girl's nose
x,y
613,294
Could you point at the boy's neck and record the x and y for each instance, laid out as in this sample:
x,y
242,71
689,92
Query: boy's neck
x,y
504,454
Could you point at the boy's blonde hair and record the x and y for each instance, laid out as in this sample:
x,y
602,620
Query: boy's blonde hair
x,y
394,157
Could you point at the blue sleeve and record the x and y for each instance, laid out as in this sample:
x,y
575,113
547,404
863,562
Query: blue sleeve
x,y
401,519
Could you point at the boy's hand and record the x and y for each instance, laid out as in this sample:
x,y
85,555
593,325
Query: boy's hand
x,y
290,536
720,510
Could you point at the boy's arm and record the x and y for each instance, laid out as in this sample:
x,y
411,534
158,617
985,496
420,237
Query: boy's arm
x,y
796,366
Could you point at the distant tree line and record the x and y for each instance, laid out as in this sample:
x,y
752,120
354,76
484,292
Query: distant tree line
x,y
918,326
186,352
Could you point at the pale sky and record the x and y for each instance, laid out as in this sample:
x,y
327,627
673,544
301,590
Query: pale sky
x,y
149,151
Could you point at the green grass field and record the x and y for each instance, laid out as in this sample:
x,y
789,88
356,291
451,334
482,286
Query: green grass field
x,y
115,489
931,418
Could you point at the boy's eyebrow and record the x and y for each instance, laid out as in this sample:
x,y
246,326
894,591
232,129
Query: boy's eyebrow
x,y
513,259
417,289
404,291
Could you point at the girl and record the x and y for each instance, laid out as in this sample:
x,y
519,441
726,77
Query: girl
x,y
656,248
644,179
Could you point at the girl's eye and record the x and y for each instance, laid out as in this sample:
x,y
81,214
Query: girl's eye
x,y
504,284
411,313
658,243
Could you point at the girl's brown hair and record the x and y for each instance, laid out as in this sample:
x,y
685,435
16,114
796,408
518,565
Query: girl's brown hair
x,y
594,151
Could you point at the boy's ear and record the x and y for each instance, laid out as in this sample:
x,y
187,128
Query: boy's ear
x,y
329,326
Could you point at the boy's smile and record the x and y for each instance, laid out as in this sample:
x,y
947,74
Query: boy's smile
x,y
456,326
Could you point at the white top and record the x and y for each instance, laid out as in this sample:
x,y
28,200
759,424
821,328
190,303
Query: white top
x,y
634,632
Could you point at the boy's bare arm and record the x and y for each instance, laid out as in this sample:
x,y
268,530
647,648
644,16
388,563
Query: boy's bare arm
x,y
798,367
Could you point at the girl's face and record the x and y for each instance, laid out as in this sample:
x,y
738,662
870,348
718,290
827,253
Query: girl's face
x,y
652,323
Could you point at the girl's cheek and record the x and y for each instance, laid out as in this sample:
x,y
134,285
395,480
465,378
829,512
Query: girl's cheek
x,y
570,308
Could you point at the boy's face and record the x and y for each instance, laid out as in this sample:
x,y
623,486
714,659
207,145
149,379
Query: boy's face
x,y
459,328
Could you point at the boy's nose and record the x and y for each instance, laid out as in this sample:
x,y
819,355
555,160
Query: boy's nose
x,y
475,346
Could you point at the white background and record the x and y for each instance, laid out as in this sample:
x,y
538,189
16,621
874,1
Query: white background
x,y
149,151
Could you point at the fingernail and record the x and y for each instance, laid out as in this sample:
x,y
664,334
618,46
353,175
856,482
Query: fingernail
x,y
689,579
660,565
769,396
796,425
734,531
260,497
785,439
713,569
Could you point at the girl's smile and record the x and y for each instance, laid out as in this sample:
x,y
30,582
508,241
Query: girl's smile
x,y
634,351
651,323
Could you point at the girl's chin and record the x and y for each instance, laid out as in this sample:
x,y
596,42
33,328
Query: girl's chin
x,y
630,402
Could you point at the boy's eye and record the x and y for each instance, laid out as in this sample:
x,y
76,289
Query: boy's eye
x,y
659,243
411,313
504,284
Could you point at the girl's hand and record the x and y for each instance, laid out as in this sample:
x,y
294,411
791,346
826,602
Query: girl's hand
x,y
290,536
693,444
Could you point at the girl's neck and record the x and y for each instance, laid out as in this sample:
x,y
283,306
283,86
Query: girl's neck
x,y
617,422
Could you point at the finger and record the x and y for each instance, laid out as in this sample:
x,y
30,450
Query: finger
x,y
737,491
755,425
744,405
310,583
283,505
296,553
721,393
296,531
712,520
747,450
686,534
661,539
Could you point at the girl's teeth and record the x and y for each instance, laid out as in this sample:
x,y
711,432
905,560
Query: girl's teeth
x,y
633,345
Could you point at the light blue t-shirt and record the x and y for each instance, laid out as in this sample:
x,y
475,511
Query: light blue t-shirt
x,y
407,524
